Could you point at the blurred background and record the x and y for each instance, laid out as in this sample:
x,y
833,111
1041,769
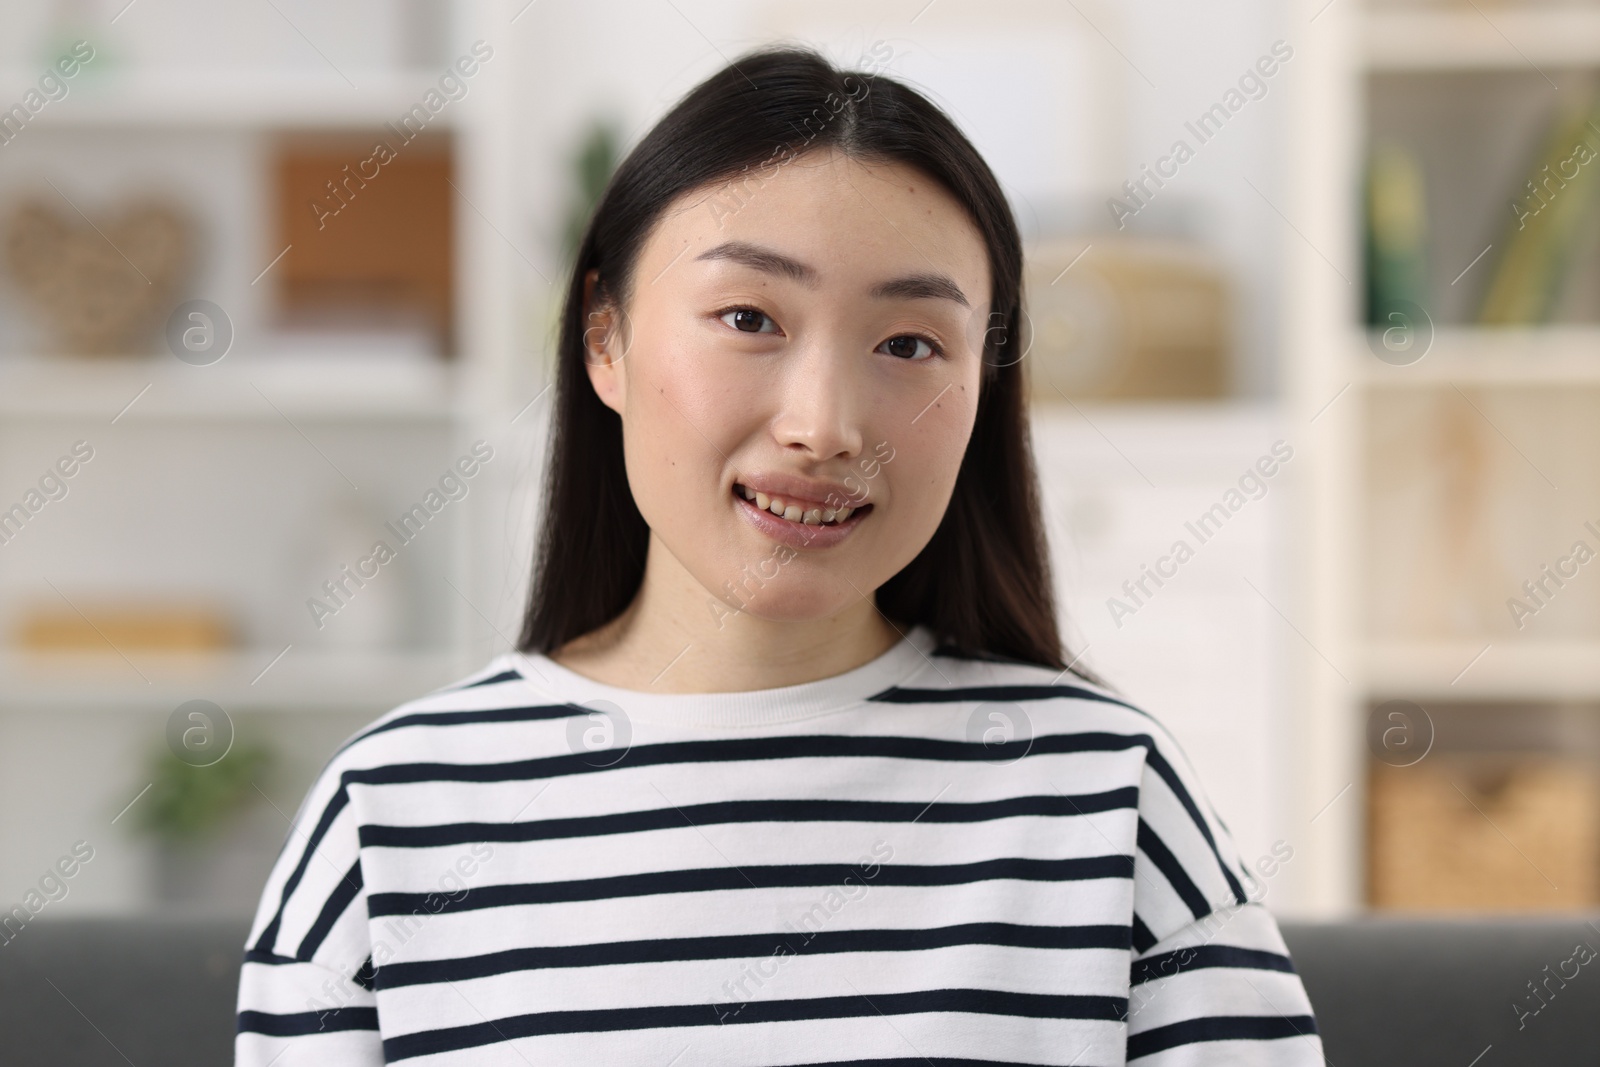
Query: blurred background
x,y
1314,292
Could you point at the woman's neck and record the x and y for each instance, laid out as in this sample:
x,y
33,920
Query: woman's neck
x,y
676,637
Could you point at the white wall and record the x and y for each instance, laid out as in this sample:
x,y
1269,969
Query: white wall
x,y
1057,100
1201,650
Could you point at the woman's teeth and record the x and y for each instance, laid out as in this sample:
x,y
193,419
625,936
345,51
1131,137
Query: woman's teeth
x,y
793,512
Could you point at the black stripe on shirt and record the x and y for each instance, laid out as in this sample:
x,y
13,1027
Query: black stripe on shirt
x,y
921,1061
746,811
302,1023
735,749
1160,765
1189,959
469,717
332,908
1143,939
739,749
744,946
709,879
503,676
901,695
896,694
336,803
1219,1028
1151,845
980,1001
365,975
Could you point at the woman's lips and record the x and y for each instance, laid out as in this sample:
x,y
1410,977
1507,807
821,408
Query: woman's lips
x,y
797,534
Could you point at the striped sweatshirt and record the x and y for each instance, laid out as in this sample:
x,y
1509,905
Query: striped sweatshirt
x,y
929,859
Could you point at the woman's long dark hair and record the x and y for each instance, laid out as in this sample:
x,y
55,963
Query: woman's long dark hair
x,y
982,583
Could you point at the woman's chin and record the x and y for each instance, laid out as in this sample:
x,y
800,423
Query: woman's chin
x,y
789,605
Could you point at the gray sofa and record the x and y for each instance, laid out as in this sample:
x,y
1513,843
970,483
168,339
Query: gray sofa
x,y
1413,993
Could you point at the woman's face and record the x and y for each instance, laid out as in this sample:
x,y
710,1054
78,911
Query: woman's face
x,y
812,334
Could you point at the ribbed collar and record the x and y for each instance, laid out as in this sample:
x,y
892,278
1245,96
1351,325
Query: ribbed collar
x,y
750,707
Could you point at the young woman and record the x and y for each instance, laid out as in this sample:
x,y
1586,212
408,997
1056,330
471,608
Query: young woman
x,y
789,767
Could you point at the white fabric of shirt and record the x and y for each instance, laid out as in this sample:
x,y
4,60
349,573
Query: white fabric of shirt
x,y
931,858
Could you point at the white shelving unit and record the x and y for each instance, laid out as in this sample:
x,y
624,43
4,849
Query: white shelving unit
x,y
206,472
241,680
150,390
1548,357
233,99
1473,38
1550,670
1334,381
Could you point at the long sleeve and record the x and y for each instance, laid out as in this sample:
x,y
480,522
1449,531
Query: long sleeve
x,y
1211,981
306,986
1221,990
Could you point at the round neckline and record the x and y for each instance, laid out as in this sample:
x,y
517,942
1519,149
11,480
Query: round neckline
x,y
745,707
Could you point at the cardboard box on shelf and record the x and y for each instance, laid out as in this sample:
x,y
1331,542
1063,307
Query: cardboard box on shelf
x,y
369,224
116,626
1484,832
1124,318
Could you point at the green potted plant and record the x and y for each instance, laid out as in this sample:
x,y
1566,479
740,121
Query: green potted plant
x,y
189,811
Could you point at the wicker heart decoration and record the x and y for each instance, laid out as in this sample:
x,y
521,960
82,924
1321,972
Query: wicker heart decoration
x,y
100,289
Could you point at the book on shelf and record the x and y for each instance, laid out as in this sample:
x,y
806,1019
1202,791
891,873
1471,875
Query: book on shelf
x,y
1551,214
1396,232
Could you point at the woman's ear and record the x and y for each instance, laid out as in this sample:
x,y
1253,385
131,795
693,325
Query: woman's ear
x,y
604,343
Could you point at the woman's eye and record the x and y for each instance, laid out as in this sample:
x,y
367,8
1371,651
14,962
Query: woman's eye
x,y
748,320
910,347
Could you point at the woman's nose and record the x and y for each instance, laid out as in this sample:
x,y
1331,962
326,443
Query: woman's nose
x,y
823,396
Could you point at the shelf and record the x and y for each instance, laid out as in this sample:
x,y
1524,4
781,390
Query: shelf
x,y
302,679
136,389
231,100
1493,39
1455,670
1537,356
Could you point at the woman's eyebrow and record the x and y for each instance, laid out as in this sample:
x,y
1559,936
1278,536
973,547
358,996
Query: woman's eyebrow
x,y
914,286
935,286
764,259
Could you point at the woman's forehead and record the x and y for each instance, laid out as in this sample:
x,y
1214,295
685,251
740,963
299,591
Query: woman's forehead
x,y
842,218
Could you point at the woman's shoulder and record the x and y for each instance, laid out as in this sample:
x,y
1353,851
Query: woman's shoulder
x,y
1059,712
465,720
1062,713
1060,699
